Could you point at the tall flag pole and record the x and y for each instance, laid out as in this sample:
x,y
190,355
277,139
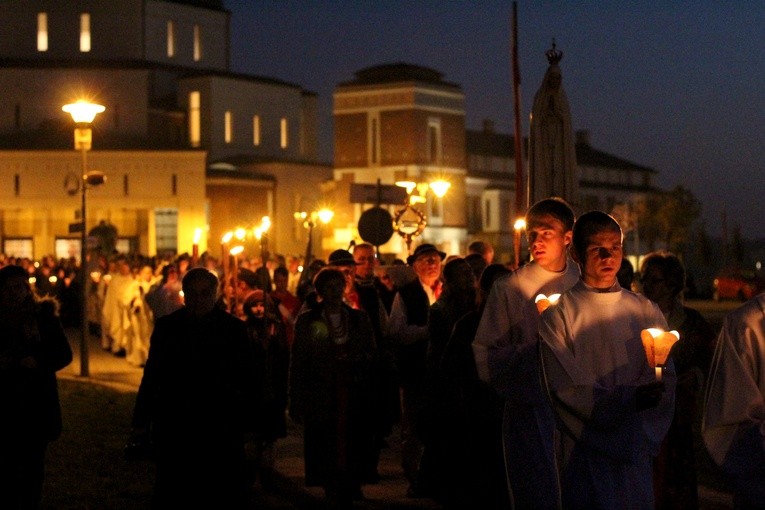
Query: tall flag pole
x,y
520,206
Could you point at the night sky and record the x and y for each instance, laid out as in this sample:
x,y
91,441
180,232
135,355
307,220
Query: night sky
x,y
675,86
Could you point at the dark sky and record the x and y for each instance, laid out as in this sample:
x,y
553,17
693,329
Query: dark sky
x,y
677,86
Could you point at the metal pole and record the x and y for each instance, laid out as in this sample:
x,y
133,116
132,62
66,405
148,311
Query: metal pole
x,y
84,359
520,206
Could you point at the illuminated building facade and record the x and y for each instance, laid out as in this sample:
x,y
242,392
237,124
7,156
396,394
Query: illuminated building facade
x,y
184,142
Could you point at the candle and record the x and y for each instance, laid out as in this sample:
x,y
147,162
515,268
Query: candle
x,y
544,302
195,247
657,343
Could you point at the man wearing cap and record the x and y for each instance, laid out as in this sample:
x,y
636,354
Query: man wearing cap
x,y
409,332
343,260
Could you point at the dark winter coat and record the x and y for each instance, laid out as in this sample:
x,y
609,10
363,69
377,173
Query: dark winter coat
x,y
330,393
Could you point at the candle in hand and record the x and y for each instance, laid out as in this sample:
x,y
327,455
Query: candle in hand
x,y
657,344
544,302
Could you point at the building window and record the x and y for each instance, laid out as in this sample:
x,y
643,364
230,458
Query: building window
x,y
284,138
19,247
434,141
67,247
166,223
256,130
125,185
42,31
436,206
227,127
84,32
170,39
195,125
197,43
474,214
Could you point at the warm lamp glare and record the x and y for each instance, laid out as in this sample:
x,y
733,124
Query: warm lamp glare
x,y
409,185
265,223
440,187
197,235
240,233
519,224
83,112
325,215
236,250
227,237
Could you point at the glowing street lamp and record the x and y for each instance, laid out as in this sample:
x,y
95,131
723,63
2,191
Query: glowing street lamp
x,y
83,113
409,222
323,215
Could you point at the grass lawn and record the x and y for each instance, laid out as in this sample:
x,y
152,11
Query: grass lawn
x,y
85,467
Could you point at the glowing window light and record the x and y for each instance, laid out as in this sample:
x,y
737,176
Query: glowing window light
x,y
84,32
42,31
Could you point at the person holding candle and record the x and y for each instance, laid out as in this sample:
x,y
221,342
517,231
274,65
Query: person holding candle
x,y
506,353
612,412
663,281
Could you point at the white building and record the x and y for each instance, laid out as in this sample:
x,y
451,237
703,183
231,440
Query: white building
x,y
185,143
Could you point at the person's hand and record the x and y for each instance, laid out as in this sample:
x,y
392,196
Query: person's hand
x,y
648,396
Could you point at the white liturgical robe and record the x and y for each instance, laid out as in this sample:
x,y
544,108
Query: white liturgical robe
x,y
593,362
734,411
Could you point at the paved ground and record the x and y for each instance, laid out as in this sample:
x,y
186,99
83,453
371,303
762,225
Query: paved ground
x,y
290,491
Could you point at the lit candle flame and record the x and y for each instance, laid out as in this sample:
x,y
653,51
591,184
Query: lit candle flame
x,y
544,302
657,343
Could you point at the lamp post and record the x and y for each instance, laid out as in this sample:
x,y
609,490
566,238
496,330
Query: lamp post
x,y
83,113
309,221
409,221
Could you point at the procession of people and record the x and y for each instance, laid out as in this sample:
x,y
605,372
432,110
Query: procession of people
x,y
497,399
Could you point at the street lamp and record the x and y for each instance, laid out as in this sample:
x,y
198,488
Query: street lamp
x,y
83,113
309,221
409,222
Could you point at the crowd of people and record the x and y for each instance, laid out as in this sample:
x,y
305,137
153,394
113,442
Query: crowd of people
x,y
501,402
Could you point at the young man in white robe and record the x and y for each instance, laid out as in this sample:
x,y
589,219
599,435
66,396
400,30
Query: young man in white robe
x,y
612,412
734,410
506,354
